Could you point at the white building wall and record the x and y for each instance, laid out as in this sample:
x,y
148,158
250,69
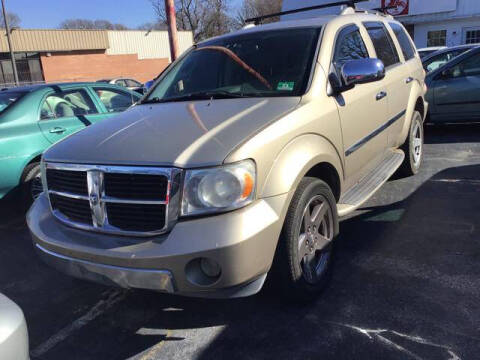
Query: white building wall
x,y
455,30
148,45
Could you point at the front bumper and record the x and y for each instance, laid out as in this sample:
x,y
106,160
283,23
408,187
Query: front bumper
x,y
242,242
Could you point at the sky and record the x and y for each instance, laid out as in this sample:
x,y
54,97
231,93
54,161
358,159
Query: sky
x,y
36,14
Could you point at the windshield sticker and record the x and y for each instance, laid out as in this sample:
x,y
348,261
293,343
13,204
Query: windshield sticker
x,y
285,86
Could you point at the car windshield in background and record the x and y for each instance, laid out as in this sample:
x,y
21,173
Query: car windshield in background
x,y
259,64
8,98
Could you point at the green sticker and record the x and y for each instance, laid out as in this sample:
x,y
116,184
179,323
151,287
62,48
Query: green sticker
x,y
285,85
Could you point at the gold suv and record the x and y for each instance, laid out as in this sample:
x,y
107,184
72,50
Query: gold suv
x,y
239,161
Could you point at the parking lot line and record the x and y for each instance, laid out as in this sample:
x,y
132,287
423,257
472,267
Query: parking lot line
x,y
114,296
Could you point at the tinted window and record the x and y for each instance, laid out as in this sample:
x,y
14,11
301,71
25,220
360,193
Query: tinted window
x,y
266,63
407,48
383,43
67,104
120,83
349,46
115,100
468,67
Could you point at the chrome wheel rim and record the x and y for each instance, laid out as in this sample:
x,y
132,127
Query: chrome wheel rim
x,y
36,187
417,147
314,236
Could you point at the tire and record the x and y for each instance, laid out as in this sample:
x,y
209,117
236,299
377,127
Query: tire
x,y
293,273
413,147
30,183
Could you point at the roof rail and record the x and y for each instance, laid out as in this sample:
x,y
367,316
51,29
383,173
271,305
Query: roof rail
x,y
350,3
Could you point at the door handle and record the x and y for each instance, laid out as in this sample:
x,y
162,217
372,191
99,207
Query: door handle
x,y
409,80
57,130
381,95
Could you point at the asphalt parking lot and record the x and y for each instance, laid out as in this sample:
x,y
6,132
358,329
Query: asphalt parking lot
x,y
406,286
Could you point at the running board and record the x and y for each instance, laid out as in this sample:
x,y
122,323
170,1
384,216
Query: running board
x,y
370,183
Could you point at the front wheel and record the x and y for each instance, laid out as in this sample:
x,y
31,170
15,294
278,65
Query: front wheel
x,y
31,183
413,147
304,257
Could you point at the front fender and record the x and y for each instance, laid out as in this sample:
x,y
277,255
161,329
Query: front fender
x,y
296,159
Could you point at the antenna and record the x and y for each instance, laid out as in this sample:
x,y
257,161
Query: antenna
x,y
350,3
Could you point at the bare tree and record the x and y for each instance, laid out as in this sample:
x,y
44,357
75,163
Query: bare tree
x,y
255,8
99,24
152,26
205,18
13,20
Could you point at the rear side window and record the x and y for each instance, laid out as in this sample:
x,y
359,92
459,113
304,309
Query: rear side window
x,y
404,40
349,46
114,100
383,43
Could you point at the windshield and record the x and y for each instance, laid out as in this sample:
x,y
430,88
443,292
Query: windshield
x,y
260,64
8,98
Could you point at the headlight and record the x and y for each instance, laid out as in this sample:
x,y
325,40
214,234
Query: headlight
x,y
218,189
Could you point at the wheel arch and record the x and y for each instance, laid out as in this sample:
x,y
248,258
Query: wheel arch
x,y
306,155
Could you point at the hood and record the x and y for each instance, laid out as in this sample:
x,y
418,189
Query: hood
x,y
182,134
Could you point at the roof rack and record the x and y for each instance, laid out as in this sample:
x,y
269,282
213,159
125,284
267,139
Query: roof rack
x,y
350,3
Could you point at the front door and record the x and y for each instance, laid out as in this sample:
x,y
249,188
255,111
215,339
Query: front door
x,y
362,109
64,112
456,91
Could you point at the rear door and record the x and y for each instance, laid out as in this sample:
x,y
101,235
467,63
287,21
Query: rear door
x,y
67,111
398,79
362,110
457,91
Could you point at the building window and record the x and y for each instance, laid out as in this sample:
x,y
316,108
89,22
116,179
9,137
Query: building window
x,y
29,69
472,36
437,38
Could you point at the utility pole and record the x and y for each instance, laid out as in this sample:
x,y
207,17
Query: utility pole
x,y
12,56
172,28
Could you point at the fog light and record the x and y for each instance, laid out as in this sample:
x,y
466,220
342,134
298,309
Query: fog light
x,y
210,267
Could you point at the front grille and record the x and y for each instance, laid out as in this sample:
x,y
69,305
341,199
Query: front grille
x,y
136,217
67,181
122,200
73,209
136,186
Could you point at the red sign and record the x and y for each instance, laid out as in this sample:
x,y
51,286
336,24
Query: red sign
x,y
401,7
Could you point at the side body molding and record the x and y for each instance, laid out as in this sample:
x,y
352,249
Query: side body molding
x,y
294,161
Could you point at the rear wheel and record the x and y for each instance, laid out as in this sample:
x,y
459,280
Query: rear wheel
x,y
31,183
413,147
305,253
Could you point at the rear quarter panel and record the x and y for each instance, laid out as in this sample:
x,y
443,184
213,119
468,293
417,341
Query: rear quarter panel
x,y
20,141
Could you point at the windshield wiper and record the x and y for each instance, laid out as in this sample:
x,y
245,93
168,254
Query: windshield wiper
x,y
207,95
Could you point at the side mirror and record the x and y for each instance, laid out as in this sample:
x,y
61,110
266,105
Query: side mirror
x,y
362,71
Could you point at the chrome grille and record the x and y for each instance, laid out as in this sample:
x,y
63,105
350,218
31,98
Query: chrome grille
x,y
114,199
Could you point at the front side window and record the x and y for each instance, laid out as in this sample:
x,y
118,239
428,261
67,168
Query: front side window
x,y
121,83
404,40
349,46
437,38
383,43
114,100
468,67
259,64
67,104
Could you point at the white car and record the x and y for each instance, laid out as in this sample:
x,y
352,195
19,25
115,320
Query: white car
x,y
429,50
130,84
13,331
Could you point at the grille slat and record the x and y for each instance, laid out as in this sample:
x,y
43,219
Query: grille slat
x,y
72,209
67,181
127,217
136,186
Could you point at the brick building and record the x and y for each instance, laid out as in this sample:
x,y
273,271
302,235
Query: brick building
x,y
86,55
